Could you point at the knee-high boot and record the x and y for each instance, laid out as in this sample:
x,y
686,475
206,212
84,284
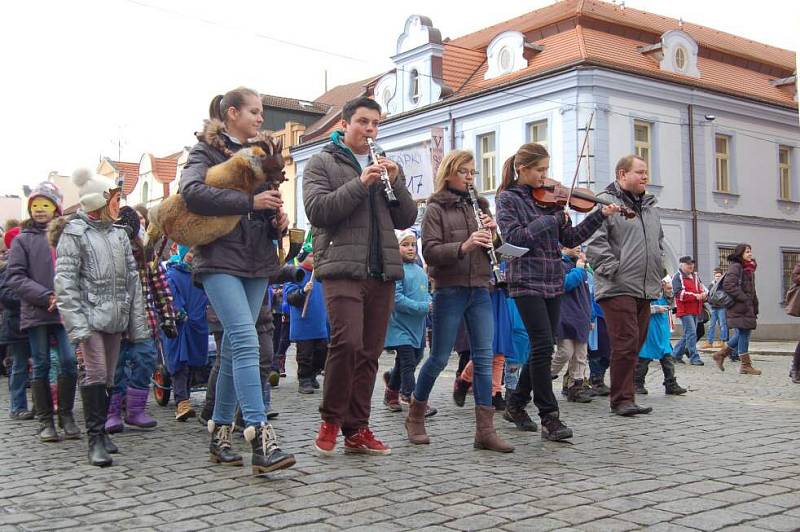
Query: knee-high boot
x,y
639,375
43,404
95,406
66,402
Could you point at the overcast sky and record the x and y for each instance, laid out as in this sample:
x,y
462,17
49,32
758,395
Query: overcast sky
x,y
81,77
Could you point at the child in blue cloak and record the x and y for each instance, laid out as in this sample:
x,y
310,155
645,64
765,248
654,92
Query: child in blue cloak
x,y
657,346
190,348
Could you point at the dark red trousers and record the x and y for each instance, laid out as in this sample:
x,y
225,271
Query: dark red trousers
x,y
627,319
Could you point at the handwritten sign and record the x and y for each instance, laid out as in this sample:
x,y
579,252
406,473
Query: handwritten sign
x,y
416,163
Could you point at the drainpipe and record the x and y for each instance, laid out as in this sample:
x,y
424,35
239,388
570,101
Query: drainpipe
x,y
452,131
692,183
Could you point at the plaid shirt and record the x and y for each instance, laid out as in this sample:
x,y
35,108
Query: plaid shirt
x,y
541,229
156,293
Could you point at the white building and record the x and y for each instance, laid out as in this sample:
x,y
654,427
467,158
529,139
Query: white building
x,y
715,114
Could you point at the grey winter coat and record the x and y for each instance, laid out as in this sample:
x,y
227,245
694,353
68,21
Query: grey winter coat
x,y
30,274
627,255
97,282
248,250
353,224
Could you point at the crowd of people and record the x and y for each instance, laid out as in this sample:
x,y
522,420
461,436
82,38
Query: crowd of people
x,y
94,306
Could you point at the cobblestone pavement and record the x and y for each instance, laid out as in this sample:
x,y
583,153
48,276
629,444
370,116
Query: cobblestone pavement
x,y
724,457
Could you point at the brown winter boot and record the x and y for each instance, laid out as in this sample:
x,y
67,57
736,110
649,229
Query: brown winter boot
x,y
720,356
485,436
746,367
415,422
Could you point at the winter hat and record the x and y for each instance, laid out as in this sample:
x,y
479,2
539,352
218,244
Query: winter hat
x,y
405,233
129,220
94,190
10,235
48,190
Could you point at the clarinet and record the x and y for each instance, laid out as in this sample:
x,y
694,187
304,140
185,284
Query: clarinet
x,y
387,184
499,278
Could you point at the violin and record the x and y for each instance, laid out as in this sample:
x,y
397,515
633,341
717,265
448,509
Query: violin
x,y
553,193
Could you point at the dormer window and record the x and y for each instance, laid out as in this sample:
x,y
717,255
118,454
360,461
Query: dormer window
x,y
680,58
676,52
413,86
505,59
508,52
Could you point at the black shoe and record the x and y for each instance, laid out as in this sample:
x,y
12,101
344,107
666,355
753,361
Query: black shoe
x,y
430,411
643,409
267,456
21,415
641,390
272,415
626,410
578,394
519,417
600,387
674,389
679,360
66,400
553,429
220,447
460,391
499,402
696,362
305,386
95,409
43,404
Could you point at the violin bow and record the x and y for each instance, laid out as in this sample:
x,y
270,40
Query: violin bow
x,y
580,157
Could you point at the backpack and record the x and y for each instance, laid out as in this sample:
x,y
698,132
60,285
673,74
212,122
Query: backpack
x,y
719,297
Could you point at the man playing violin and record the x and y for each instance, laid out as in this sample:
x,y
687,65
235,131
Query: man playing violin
x,y
536,280
628,260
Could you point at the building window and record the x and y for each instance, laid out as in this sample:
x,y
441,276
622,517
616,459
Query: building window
x,y
724,253
722,145
145,192
642,144
414,86
505,59
680,58
537,132
385,97
785,172
487,158
790,260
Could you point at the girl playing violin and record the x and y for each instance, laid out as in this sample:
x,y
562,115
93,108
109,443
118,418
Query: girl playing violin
x,y
536,280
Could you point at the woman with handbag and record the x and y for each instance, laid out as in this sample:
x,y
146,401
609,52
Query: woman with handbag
x,y
740,284
793,309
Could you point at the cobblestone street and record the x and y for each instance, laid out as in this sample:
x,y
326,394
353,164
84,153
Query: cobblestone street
x,y
726,456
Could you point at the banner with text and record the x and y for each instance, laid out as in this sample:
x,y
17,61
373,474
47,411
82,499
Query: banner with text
x,y
417,167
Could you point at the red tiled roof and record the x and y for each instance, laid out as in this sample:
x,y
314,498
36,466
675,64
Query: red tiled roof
x,y
129,173
165,168
335,99
293,104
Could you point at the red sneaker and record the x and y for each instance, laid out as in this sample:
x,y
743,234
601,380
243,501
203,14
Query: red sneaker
x,y
391,399
325,443
364,442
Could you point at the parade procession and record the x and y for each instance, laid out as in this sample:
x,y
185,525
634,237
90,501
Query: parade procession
x,y
544,275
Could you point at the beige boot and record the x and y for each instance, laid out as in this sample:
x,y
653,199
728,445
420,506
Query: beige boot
x,y
485,435
746,367
706,345
415,422
718,344
720,356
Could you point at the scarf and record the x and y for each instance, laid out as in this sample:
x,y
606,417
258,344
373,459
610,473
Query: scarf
x,y
749,266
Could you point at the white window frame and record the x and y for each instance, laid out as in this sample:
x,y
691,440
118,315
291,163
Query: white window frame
x,y
639,145
785,181
534,126
487,162
723,160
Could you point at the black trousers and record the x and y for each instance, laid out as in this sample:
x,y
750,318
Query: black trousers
x,y
540,316
311,355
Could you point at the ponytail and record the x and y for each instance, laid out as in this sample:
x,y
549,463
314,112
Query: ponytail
x,y
527,155
214,109
509,174
218,108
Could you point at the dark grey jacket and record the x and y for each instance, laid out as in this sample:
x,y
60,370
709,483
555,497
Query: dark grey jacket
x,y
352,223
627,255
741,286
248,250
31,274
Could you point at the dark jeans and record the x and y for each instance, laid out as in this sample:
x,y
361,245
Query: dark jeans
x,y
311,355
181,383
405,363
135,365
667,367
20,353
627,319
358,312
280,342
599,358
39,340
540,316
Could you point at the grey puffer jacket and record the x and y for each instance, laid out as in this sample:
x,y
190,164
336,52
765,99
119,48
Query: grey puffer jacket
x,y
97,282
627,255
353,225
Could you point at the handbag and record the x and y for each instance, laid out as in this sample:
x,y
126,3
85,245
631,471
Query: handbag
x,y
719,297
792,300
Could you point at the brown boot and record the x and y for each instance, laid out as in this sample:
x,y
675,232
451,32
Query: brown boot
x,y
720,356
746,367
485,435
415,422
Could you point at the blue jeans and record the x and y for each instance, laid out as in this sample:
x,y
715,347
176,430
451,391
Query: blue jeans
x,y
718,317
39,340
405,363
19,352
688,340
135,366
450,305
237,301
740,341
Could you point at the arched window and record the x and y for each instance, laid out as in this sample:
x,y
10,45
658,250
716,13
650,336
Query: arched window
x,y
414,86
145,192
505,60
680,58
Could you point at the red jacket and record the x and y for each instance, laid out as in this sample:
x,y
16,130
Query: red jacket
x,y
685,288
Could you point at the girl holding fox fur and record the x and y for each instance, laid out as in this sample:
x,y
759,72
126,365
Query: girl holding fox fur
x,y
234,270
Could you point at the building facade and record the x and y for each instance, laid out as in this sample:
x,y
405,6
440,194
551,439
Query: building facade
x,y
714,114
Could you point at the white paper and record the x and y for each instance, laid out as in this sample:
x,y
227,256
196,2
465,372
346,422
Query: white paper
x,y
511,250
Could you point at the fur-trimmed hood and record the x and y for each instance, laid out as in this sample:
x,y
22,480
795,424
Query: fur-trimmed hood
x,y
55,228
447,198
